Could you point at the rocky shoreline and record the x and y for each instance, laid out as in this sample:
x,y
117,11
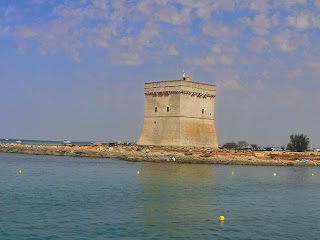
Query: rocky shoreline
x,y
166,154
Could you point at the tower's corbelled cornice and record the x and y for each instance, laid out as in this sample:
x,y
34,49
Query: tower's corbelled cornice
x,y
180,86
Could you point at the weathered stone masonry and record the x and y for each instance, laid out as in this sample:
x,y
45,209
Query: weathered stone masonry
x,y
179,113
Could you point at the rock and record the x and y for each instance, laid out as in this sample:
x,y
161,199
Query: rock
x,y
259,154
205,155
110,148
148,150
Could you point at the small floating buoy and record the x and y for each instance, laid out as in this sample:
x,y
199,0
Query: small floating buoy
x,y
274,174
20,171
232,173
221,218
138,172
312,174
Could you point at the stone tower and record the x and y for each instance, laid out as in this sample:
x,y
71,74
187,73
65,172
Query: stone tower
x,y
179,113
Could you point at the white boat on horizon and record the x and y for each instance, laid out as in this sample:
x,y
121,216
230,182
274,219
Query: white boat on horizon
x,y
18,141
66,142
7,139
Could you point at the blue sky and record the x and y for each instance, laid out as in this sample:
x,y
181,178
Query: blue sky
x,y
75,69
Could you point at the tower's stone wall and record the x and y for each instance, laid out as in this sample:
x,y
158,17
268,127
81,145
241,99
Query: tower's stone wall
x,y
179,113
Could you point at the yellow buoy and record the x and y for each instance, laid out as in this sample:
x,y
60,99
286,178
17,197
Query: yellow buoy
x,y
138,172
20,171
232,173
221,218
274,174
312,174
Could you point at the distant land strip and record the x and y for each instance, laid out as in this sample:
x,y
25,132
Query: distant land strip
x,y
170,154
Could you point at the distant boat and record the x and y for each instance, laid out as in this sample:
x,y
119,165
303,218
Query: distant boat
x,y
66,141
7,139
18,141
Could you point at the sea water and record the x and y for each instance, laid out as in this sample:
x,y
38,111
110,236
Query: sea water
x,y
41,142
91,198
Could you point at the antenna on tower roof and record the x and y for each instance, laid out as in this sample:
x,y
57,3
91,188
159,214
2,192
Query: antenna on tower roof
x,y
183,74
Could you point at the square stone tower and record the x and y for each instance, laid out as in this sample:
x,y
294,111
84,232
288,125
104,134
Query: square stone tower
x,y
179,113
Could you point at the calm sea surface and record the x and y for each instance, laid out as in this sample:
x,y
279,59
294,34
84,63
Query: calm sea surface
x,y
42,142
89,198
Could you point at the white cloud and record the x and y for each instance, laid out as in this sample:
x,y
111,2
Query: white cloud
x,y
167,10
58,37
261,24
125,58
25,32
68,11
150,30
225,47
171,50
291,3
173,16
101,4
315,21
258,45
101,35
204,9
301,22
304,20
230,81
289,41
144,39
260,6
230,84
209,62
219,30
225,59
132,48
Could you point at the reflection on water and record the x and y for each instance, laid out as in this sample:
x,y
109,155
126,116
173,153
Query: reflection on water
x,y
176,197
161,173
297,176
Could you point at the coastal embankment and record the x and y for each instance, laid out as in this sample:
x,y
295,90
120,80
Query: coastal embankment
x,y
166,154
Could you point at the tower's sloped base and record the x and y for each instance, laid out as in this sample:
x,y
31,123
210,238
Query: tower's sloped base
x,y
178,132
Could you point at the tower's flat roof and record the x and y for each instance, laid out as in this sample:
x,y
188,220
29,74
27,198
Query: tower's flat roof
x,y
179,80
180,86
